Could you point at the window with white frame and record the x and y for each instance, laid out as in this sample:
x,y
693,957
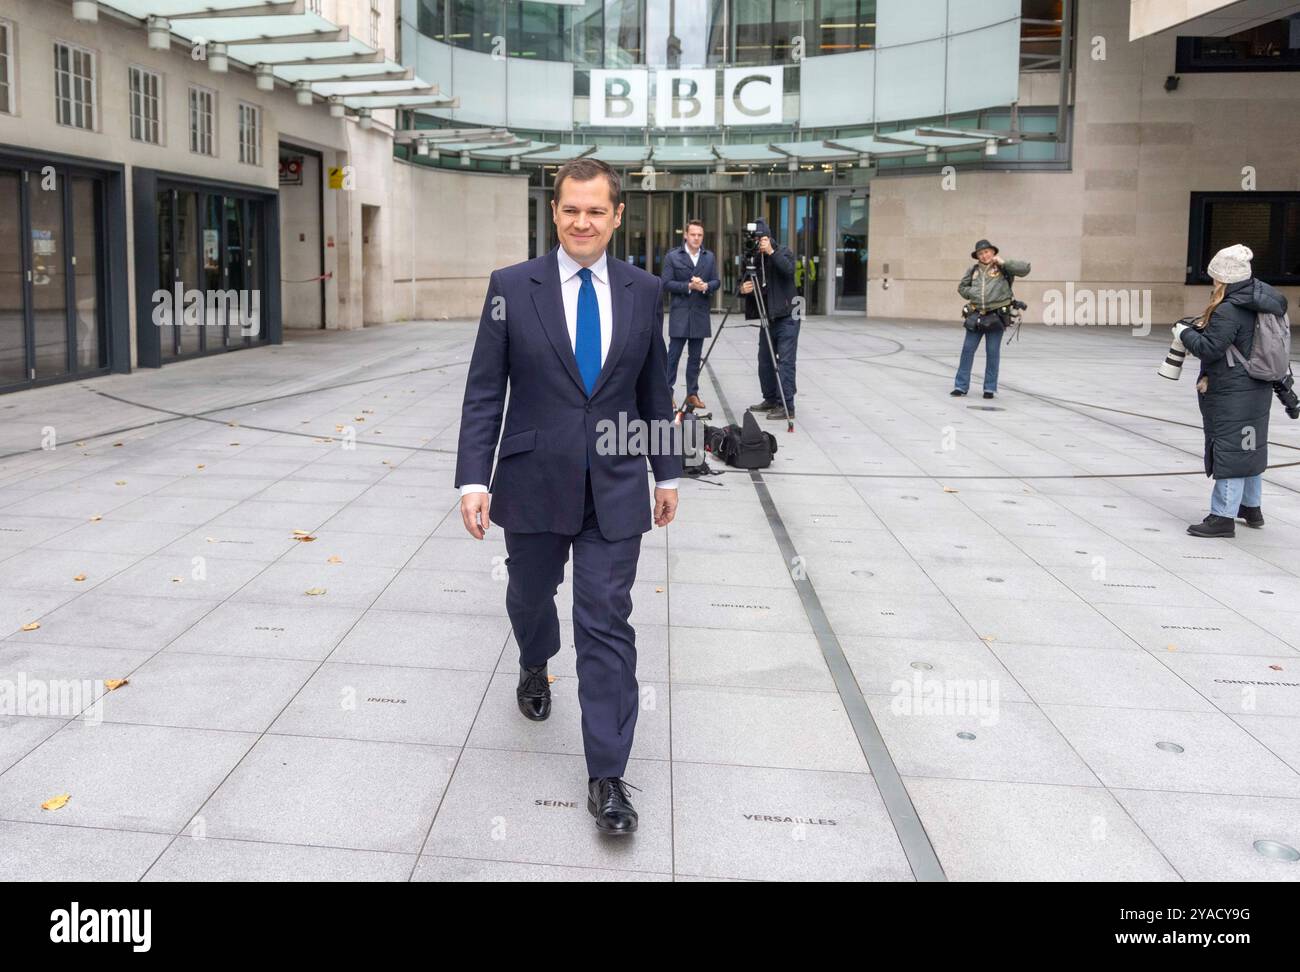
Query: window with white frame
x,y
203,120
374,24
74,86
146,105
313,6
250,134
6,67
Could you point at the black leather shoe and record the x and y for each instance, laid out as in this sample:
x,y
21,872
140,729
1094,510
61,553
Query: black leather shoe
x,y
608,802
956,393
779,414
1214,526
534,692
1253,515
763,406
988,394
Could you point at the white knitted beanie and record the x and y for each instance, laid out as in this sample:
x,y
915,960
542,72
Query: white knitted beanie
x,y
1231,264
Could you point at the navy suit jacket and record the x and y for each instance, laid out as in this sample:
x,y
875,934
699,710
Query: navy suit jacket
x,y
688,310
552,425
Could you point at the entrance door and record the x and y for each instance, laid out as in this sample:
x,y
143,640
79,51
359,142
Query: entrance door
x,y
808,249
51,277
212,246
850,241
13,282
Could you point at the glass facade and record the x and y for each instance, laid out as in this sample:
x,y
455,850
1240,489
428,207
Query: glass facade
x,y
1274,46
681,33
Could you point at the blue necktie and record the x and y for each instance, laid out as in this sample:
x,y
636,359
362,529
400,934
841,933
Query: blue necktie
x,y
586,348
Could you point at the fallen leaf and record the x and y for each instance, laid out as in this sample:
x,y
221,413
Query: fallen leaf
x,y
550,678
120,482
314,591
233,425
96,518
359,418
78,444
31,626
949,489
336,559
368,411
202,465
178,580
1171,647
117,445
234,443
57,802
659,590
113,684
1276,668
79,577
988,638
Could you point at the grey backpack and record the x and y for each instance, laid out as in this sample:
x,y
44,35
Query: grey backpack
x,y
1270,357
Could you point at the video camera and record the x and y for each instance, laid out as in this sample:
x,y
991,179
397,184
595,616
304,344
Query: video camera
x,y
749,246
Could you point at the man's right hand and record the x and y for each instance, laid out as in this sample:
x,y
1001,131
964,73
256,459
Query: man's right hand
x,y
747,287
474,513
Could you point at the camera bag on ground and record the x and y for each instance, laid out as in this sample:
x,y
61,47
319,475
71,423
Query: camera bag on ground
x,y
1270,355
744,446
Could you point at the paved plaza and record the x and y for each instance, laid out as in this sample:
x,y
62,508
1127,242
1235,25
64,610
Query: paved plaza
x,y
941,638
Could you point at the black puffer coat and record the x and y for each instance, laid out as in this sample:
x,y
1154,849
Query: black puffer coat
x,y
1234,406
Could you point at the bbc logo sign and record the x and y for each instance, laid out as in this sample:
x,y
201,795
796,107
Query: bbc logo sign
x,y
688,98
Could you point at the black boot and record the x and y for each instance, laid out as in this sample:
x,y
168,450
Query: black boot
x,y
764,406
956,393
1214,526
534,692
1253,515
988,394
608,802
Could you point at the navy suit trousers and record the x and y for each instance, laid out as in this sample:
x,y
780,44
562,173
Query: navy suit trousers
x,y
603,572
675,346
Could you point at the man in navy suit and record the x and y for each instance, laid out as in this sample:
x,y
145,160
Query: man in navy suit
x,y
691,276
579,340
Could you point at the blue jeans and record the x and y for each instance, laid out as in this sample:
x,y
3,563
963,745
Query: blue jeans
x,y
694,346
785,339
992,357
1231,494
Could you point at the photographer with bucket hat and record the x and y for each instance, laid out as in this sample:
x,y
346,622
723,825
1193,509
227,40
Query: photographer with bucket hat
x,y
1234,404
987,289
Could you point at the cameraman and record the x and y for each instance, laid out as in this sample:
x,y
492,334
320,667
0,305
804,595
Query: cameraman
x,y
987,289
775,270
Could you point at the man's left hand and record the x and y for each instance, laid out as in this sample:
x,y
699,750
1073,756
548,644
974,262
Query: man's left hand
x,y
665,506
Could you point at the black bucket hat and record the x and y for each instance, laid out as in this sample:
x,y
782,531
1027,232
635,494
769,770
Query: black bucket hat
x,y
983,245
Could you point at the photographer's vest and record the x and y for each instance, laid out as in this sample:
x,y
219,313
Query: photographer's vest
x,y
984,285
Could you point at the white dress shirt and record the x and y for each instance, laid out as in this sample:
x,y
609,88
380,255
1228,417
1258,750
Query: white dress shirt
x,y
694,255
570,284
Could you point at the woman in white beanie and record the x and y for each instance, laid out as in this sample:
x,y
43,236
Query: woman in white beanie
x,y
1234,406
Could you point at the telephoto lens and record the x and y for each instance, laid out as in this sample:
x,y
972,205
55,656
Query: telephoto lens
x,y
1172,368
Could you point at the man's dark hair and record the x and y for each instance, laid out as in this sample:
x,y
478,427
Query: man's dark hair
x,y
584,170
695,222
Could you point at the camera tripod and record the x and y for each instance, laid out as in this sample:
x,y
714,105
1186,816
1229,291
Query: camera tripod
x,y
751,274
